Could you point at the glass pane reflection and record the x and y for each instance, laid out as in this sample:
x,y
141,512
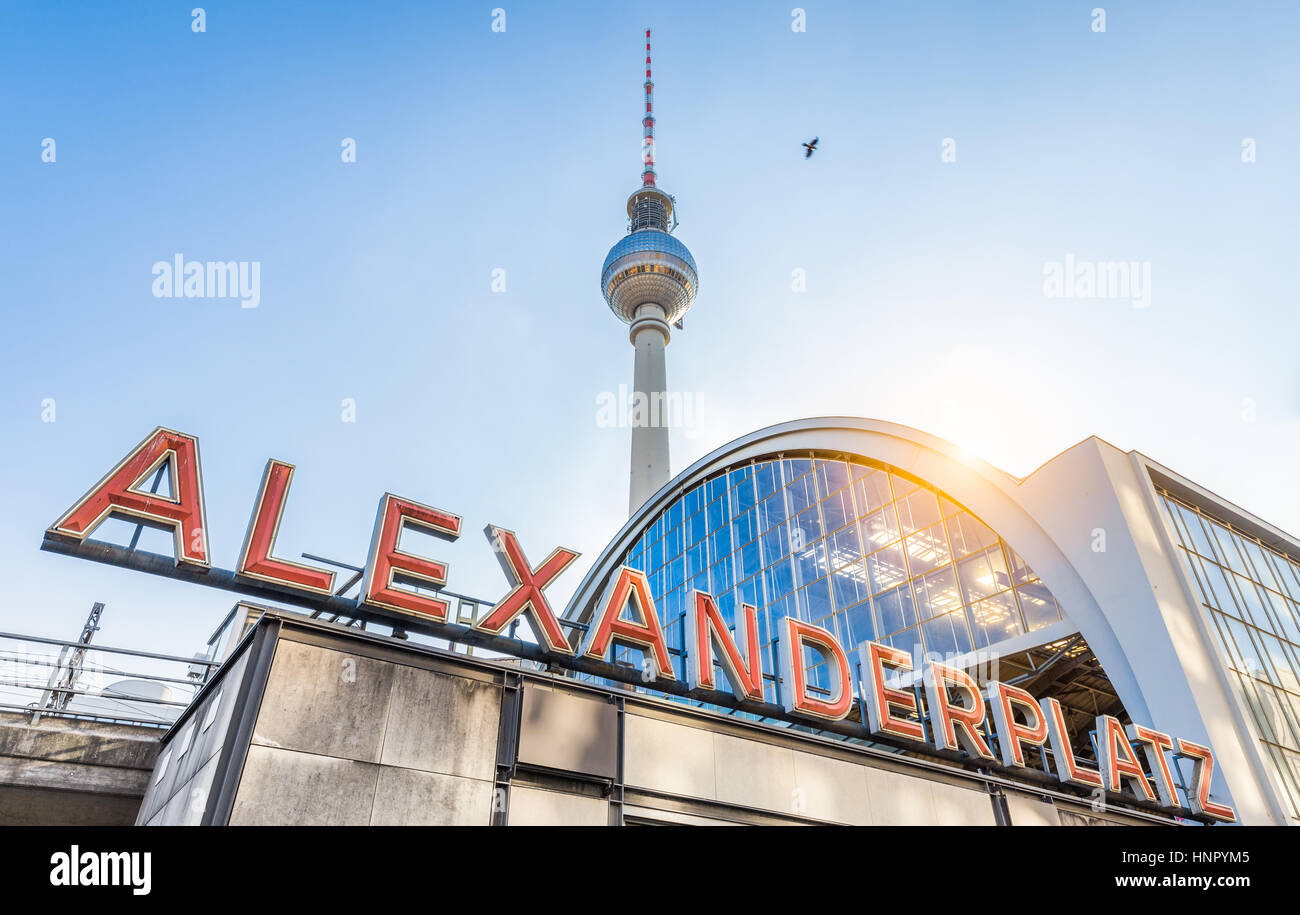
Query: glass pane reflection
x,y
1250,592
849,546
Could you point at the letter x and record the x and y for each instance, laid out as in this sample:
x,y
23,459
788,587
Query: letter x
x,y
527,594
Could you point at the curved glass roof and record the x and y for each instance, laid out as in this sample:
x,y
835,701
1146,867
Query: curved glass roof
x,y
848,545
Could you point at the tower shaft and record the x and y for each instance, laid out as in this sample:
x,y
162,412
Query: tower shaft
x,y
649,467
649,281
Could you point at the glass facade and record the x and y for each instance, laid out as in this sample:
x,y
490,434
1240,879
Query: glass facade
x,y
1252,596
850,546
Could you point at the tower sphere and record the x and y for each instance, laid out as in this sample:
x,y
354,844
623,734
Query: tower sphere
x,y
649,281
649,266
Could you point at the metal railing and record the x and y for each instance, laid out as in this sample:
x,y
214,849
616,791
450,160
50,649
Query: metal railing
x,y
44,677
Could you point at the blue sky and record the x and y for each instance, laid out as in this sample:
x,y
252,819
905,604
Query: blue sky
x,y
479,150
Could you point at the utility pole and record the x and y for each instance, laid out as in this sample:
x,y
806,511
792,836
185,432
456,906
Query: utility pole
x,y
63,679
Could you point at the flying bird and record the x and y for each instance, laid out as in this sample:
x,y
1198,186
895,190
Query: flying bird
x,y
810,148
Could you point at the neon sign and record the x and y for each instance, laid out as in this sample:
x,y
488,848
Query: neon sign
x,y
993,727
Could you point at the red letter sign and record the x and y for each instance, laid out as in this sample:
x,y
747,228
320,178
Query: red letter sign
x,y
119,493
1068,768
387,562
255,559
1117,759
1012,736
1202,772
953,726
527,596
609,626
794,688
1153,744
705,630
881,699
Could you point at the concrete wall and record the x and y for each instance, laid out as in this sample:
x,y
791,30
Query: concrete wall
x,y
341,728
345,739
543,807
691,761
65,772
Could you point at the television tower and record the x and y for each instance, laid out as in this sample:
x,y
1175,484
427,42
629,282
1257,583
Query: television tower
x,y
649,281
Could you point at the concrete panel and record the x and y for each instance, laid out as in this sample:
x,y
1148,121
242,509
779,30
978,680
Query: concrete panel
x,y
323,701
407,797
187,763
285,787
442,723
563,730
831,789
199,792
208,740
162,782
536,807
956,806
899,800
1030,811
73,775
128,746
184,809
754,774
186,805
1071,815
672,758
65,772
655,815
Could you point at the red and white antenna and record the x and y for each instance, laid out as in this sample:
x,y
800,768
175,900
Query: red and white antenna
x,y
648,143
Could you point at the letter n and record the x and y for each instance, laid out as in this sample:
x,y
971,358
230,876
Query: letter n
x,y
707,632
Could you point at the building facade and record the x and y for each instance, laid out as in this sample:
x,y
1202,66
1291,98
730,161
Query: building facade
x,y
316,724
1103,582
1103,579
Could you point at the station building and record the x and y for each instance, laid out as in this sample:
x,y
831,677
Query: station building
x,y
1103,580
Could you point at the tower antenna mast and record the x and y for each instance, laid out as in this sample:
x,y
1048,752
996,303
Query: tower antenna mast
x,y
648,142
